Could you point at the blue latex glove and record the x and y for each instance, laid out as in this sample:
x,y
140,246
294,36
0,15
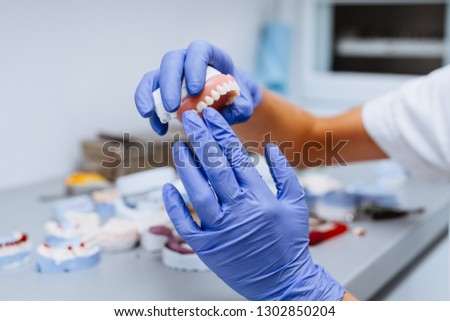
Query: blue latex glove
x,y
191,63
254,241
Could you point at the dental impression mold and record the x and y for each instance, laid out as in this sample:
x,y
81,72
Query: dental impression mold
x,y
220,90
15,250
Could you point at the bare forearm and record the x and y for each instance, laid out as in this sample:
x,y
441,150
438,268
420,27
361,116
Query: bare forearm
x,y
349,297
308,140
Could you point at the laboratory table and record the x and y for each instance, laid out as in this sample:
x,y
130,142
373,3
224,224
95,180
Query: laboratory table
x,y
362,264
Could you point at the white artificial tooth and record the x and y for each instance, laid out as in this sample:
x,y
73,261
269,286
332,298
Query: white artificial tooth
x,y
215,95
209,100
230,100
226,86
201,105
221,90
231,85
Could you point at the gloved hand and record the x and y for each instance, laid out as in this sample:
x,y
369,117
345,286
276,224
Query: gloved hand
x,y
254,241
191,63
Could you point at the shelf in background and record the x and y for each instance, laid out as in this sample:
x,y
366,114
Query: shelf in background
x,y
390,47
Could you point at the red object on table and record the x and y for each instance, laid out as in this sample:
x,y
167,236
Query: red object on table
x,y
321,234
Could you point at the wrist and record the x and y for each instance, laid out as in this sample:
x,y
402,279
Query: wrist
x,y
316,285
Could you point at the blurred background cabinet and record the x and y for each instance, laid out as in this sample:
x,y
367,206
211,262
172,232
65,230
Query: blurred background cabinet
x,y
352,51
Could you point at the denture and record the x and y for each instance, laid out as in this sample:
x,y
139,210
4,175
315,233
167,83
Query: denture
x,y
220,90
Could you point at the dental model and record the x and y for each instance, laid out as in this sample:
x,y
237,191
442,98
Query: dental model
x,y
68,257
118,235
74,227
105,203
79,204
141,199
220,90
15,250
176,253
154,238
85,182
144,218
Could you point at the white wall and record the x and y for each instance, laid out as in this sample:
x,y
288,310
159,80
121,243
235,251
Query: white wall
x,y
69,69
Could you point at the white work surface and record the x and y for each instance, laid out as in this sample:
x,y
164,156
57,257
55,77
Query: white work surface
x,y
362,264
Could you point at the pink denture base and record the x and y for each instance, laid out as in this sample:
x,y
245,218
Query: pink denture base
x,y
219,91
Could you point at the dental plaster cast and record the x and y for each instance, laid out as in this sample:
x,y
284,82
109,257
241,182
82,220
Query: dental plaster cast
x,y
154,238
79,204
105,203
144,218
69,243
71,227
176,253
141,199
220,90
118,234
69,257
85,182
15,250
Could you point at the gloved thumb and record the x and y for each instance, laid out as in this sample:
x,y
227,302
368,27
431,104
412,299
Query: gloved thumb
x,y
285,179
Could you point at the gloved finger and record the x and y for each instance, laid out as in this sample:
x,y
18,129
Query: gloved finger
x,y
286,181
145,104
238,112
199,55
171,79
211,158
179,213
143,97
235,152
158,127
197,187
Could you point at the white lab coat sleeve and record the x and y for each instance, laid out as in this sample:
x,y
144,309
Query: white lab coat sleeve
x,y
412,124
